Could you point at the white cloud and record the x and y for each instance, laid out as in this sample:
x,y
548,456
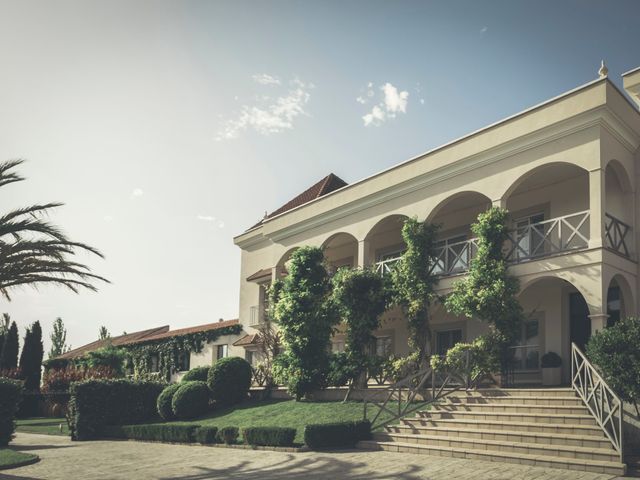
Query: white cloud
x,y
361,100
390,105
266,79
206,218
270,115
220,224
422,101
108,218
137,192
484,29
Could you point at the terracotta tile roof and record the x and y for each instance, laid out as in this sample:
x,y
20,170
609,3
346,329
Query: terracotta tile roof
x,y
327,185
251,339
116,341
185,331
265,272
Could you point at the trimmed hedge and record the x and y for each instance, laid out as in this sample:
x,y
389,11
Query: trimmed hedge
x,y
10,396
229,380
269,436
198,374
206,435
190,400
336,435
227,435
97,403
165,410
154,432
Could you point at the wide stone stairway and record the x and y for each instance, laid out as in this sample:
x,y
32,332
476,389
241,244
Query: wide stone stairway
x,y
541,427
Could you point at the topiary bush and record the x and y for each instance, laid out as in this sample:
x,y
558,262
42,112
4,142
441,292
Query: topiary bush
x,y
154,432
198,374
10,396
227,435
336,435
206,435
229,380
165,409
190,400
550,360
269,436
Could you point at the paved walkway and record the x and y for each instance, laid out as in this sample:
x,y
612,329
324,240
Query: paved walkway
x,y
66,460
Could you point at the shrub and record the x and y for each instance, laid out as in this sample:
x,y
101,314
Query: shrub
x,y
156,433
336,435
551,360
190,400
107,357
616,352
10,395
227,435
229,380
165,410
59,380
341,369
269,436
198,374
97,403
206,435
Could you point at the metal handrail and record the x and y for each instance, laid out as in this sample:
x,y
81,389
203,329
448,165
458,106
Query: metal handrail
x,y
605,406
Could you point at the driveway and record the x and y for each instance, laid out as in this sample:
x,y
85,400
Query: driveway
x,y
66,460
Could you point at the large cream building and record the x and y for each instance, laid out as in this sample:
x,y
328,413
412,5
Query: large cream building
x,y
566,170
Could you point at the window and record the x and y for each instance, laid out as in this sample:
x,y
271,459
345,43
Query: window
x,y
222,351
155,364
384,346
184,362
613,306
250,356
527,351
447,339
530,236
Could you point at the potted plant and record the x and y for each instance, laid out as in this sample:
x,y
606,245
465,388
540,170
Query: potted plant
x,y
551,371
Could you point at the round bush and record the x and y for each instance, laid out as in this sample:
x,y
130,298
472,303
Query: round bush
x,y
190,400
229,380
164,401
198,374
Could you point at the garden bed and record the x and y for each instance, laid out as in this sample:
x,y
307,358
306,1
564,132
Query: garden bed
x,y
13,459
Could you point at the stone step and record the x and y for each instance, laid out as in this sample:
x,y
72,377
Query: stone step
x,y
509,408
535,449
523,436
519,400
611,468
553,418
505,425
519,392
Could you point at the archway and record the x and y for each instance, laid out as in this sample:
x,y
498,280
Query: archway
x,y
620,300
384,243
340,250
618,214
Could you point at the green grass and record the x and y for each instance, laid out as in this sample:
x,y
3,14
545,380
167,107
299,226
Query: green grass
x,y
44,425
11,458
284,413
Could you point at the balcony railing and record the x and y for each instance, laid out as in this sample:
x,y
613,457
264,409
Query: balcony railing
x,y
452,258
548,237
257,315
617,235
384,267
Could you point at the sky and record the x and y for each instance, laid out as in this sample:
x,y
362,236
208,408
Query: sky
x,y
169,127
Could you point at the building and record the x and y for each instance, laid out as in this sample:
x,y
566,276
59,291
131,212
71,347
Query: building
x,y
566,170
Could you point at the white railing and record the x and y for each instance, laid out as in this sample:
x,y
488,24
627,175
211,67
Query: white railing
x,y
605,406
617,235
384,267
256,315
455,257
548,237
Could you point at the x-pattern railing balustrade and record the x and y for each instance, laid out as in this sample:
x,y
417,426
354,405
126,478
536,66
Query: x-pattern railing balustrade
x,y
605,406
617,234
384,267
556,235
454,257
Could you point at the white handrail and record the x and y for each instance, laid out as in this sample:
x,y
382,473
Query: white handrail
x,y
605,406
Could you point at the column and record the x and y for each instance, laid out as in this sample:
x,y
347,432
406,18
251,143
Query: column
x,y
364,253
596,208
499,203
598,322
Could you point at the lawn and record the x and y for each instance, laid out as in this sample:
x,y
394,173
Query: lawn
x,y
284,413
11,458
47,426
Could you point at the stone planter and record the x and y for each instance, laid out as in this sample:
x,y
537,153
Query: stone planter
x,y
551,376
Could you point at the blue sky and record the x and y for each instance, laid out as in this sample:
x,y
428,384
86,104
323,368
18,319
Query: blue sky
x,y
169,127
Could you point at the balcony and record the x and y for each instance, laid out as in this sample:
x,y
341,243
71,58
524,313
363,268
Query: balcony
x,y
384,267
257,315
617,235
452,258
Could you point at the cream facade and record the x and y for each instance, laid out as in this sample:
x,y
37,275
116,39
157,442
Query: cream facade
x,y
566,171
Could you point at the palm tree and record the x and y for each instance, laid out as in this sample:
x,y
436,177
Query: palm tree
x,y
35,252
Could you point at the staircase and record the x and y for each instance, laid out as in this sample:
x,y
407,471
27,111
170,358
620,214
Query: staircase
x,y
541,427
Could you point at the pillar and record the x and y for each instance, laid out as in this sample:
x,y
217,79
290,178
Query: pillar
x,y
598,322
364,253
596,208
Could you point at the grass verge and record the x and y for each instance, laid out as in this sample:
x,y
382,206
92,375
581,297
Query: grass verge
x,y
44,425
12,459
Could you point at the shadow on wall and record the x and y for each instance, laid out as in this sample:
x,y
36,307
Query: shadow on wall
x,y
295,467
631,430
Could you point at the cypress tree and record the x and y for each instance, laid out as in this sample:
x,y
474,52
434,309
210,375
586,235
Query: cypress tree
x,y
10,348
4,327
31,357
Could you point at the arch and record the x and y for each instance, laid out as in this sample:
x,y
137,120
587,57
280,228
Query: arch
x,y
627,305
285,257
622,174
388,223
384,240
340,250
338,239
560,276
563,169
458,201
618,193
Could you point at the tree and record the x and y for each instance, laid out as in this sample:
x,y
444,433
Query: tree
x,y
104,333
35,252
4,327
360,298
414,282
269,339
31,357
9,359
58,339
306,323
488,292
